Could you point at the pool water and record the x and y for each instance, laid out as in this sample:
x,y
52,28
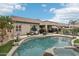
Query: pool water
x,y
37,46
66,52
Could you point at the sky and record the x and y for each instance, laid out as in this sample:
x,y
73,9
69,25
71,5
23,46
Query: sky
x,y
57,12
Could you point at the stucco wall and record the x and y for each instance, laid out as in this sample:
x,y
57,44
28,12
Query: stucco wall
x,y
25,28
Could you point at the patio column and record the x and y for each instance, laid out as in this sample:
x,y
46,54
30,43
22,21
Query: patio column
x,y
37,26
46,28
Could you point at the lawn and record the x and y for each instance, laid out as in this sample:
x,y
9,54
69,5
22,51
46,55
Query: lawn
x,y
76,41
6,48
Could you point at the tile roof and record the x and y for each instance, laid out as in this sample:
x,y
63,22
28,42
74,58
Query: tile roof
x,y
37,21
21,19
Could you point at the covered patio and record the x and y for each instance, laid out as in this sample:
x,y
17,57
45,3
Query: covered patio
x,y
49,27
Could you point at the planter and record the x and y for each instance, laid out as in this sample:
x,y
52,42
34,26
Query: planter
x,y
76,45
75,42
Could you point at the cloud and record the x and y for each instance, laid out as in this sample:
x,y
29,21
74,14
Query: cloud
x,y
43,5
70,4
52,9
19,7
9,8
67,13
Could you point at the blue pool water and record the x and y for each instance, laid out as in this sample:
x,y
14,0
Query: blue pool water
x,y
37,46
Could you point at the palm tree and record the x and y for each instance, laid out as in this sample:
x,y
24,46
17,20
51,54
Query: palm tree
x,y
73,22
5,24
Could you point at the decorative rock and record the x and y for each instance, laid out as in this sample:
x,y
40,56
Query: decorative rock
x,y
47,54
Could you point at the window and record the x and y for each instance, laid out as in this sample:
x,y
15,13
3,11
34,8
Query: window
x,y
9,30
18,28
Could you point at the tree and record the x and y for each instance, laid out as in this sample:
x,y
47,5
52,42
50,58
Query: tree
x,y
34,28
73,22
5,24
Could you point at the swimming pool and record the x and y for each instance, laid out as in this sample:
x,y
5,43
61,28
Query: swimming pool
x,y
37,45
66,52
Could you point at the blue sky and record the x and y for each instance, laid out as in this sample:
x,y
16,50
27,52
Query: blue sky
x,y
57,12
37,11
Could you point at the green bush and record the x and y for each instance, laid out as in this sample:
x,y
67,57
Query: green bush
x,y
76,41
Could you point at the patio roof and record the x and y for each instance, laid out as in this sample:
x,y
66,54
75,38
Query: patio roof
x,y
52,23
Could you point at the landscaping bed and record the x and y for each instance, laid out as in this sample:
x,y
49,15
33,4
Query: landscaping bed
x,y
4,49
76,41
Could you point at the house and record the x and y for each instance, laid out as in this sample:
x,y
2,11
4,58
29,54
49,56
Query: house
x,y
23,25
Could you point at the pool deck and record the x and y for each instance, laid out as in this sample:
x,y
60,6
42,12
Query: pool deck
x,y
50,34
23,38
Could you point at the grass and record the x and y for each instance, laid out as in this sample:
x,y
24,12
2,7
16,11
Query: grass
x,y
6,48
76,41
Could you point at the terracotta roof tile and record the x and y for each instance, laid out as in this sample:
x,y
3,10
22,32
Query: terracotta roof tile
x,y
29,20
21,19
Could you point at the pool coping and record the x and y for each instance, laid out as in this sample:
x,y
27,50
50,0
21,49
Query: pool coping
x,y
74,40
51,50
10,53
14,48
